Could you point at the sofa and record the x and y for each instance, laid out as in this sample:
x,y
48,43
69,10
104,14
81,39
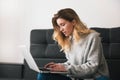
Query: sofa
x,y
44,50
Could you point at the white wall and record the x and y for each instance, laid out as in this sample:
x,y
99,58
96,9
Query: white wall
x,y
104,13
11,21
18,17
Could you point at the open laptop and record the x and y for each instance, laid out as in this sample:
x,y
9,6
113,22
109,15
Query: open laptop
x,y
32,64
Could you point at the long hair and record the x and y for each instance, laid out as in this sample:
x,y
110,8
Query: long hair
x,y
80,29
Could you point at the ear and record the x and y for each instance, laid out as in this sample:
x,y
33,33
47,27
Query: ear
x,y
73,22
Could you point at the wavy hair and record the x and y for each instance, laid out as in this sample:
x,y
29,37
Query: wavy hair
x,y
80,29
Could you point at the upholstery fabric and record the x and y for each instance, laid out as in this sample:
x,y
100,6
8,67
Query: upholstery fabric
x,y
111,47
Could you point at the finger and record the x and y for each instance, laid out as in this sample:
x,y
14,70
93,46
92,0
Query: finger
x,y
55,69
47,65
58,68
52,65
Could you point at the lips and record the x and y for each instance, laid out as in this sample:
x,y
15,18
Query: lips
x,y
64,32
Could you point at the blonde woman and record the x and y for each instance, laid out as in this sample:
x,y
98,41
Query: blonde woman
x,y
82,47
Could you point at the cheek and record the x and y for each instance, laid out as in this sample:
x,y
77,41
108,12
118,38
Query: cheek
x,y
70,30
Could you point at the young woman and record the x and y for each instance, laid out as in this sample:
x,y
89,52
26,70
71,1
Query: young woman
x,y
82,47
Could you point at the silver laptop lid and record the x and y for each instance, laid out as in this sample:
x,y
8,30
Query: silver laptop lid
x,y
32,64
29,59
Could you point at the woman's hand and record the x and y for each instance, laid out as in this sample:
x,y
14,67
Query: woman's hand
x,y
55,66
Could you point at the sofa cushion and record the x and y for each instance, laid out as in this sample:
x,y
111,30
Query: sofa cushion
x,y
38,50
115,50
53,51
104,34
106,50
38,36
10,79
11,71
115,35
114,65
49,37
28,73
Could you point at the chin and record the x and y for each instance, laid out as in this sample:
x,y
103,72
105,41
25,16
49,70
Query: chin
x,y
67,35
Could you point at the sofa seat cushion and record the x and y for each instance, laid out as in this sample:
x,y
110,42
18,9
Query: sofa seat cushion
x,y
8,70
14,79
9,79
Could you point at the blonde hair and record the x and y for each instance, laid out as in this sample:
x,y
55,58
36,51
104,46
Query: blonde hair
x,y
80,29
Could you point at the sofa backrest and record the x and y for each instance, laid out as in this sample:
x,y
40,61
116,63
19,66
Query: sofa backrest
x,y
43,46
111,47
45,50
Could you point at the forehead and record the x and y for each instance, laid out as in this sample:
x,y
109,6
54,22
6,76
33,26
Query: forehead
x,y
61,20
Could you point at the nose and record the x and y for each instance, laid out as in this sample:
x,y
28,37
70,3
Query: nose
x,y
61,29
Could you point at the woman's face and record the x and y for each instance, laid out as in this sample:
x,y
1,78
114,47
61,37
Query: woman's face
x,y
66,27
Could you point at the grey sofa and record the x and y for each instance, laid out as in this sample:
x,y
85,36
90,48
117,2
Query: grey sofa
x,y
45,50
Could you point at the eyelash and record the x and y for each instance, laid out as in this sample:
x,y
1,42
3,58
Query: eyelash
x,y
62,24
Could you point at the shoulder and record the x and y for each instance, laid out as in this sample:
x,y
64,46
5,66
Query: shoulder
x,y
93,34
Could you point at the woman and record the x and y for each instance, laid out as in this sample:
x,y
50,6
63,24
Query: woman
x,y
82,47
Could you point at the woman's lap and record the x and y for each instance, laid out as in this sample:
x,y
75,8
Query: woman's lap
x,y
102,78
48,76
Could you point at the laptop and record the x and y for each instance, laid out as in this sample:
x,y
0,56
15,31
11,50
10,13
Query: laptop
x,y
32,64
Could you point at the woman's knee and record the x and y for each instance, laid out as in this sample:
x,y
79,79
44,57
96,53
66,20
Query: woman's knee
x,y
46,76
41,76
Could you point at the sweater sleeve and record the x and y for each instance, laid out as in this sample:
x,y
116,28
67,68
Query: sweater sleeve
x,y
92,59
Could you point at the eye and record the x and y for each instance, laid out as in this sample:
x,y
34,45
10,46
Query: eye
x,y
62,24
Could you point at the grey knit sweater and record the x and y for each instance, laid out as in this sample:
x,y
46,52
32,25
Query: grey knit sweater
x,y
86,59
